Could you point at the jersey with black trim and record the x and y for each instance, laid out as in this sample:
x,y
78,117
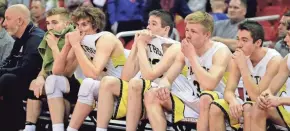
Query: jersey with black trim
x,y
115,63
258,72
206,61
155,51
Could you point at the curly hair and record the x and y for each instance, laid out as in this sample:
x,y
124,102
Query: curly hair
x,y
95,15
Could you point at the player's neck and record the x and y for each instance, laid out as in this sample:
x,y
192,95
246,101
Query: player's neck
x,y
258,55
200,51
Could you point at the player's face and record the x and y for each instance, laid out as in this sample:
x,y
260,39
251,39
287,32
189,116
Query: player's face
x,y
282,28
245,42
196,34
12,22
287,38
36,9
155,26
56,23
85,26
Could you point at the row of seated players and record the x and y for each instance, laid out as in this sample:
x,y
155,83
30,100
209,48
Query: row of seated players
x,y
159,79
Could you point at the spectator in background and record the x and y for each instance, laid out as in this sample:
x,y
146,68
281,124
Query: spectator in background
x,y
197,5
37,9
20,68
179,7
12,2
225,31
281,46
6,41
125,15
218,10
98,3
251,8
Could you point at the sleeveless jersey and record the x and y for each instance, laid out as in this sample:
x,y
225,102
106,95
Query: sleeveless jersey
x,y
115,63
260,69
206,61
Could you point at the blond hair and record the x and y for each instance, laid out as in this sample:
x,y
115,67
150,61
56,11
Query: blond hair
x,y
203,18
63,12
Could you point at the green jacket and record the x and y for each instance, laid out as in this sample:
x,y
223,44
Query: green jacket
x,y
46,52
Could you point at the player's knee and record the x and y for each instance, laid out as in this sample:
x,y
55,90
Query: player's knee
x,y
55,86
108,83
136,85
205,101
247,109
150,97
86,91
215,110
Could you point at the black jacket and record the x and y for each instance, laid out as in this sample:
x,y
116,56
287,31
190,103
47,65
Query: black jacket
x,y
180,7
25,59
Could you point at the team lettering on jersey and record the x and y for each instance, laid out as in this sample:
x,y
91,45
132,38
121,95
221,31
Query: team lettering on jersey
x,y
195,83
153,60
89,49
154,49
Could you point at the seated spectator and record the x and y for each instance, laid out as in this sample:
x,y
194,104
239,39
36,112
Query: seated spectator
x,y
251,8
6,41
125,15
218,10
281,46
197,5
179,7
225,31
37,9
20,68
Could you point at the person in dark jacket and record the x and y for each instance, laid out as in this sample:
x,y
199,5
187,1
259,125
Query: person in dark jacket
x,y
173,6
20,68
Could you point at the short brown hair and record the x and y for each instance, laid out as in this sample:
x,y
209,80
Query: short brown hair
x,y
166,18
203,18
58,11
95,15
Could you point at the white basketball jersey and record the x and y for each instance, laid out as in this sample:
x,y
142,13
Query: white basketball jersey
x,y
114,65
260,69
206,61
155,51
288,80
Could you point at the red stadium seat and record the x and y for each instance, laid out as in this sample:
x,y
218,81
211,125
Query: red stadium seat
x,y
122,40
271,10
129,45
269,33
265,23
180,26
261,5
269,29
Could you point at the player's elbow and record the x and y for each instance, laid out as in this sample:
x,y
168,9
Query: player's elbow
x,y
253,96
228,95
91,74
57,70
149,76
209,86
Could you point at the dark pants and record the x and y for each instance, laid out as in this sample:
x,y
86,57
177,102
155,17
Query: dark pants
x,y
14,90
129,26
